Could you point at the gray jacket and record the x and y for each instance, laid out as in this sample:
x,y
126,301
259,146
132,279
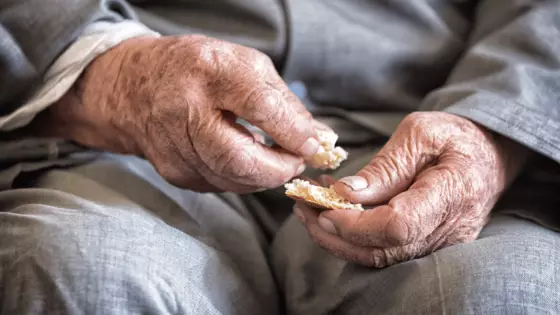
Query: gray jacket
x,y
496,62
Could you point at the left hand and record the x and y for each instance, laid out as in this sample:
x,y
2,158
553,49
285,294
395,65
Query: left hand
x,y
434,184
175,100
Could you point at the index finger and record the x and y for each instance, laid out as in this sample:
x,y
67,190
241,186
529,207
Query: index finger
x,y
409,217
272,107
234,157
369,256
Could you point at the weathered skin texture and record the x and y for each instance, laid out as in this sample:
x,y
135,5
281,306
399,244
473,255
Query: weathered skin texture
x,y
174,100
432,185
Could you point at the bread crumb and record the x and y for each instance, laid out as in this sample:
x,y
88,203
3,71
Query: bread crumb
x,y
317,196
328,156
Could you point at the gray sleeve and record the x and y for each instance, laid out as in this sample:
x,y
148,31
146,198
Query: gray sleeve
x,y
375,55
509,78
34,32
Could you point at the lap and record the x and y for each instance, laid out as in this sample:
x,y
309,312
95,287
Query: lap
x,y
113,237
512,268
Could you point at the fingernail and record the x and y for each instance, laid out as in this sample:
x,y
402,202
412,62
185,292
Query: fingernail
x,y
299,214
309,147
327,225
301,169
355,182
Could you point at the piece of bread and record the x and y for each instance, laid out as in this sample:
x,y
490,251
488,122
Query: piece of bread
x,y
317,196
328,156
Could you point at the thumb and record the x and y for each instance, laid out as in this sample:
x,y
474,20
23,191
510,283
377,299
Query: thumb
x,y
390,172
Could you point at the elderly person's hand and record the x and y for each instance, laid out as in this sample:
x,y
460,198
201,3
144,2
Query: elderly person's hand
x,y
175,100
432,185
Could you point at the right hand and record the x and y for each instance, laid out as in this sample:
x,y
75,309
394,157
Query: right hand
x,y
174,101
432,185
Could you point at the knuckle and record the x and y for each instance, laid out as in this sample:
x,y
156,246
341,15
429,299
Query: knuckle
x,y
417,120
294,102
264,106
377,258
283,177
476,184
196,38
385,257
276,178
426,131
465,192
294,128
261,62
388,168
211,55
398,230
253,61
236,164
193,44
467,232
305,115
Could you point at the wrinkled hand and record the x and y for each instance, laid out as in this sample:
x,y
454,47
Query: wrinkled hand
x,y
175,100
433,185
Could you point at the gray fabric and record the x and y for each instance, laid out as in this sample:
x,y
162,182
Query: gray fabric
x,y
33,34
509,78
262,23
511,269
111,237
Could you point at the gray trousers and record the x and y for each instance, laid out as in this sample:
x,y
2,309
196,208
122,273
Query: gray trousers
x,y
112,237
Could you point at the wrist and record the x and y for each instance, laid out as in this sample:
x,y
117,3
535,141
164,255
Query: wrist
x,y
514,154
511,154
96,110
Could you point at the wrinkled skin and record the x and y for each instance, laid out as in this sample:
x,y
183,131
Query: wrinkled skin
x,y
175,100
432,185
